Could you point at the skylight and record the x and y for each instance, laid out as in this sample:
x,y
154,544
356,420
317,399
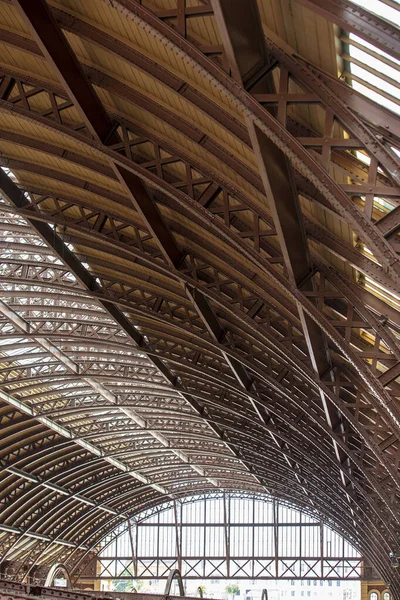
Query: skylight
x,y
373,72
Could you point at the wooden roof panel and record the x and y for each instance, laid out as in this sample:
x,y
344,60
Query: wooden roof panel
x,y
309,34
13,123
12,19
18,152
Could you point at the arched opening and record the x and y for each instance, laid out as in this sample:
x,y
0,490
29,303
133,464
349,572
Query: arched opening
x,y
58,572
229,537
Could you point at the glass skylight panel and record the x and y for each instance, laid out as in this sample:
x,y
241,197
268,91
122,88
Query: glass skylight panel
x,y
379,85
376,74
9,172
382,86
16,351
374,63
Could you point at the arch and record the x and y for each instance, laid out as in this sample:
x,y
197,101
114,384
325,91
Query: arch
x,y
372,482
229,511
174,574
55,570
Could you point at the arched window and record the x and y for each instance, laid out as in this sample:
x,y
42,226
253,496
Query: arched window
x,y
373,596
387,596
258,529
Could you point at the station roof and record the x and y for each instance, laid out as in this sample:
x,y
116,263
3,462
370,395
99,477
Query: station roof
x,y
200,274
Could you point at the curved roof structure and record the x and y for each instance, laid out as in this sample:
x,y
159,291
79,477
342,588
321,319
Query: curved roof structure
x,y
200,273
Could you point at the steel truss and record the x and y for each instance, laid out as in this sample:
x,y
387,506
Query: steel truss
x,y
161,339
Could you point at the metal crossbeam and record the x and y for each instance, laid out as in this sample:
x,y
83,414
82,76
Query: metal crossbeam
x,y
239,560
243,38
57,50
55,47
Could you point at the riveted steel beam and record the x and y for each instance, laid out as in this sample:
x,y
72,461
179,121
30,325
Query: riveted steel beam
x,y
241,30
56,49
367,25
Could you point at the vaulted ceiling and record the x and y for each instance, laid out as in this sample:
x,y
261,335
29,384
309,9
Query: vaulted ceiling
x,y
200,273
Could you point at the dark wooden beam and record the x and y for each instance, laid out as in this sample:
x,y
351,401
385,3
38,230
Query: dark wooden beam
x,y
244,46
55,48
207,314
218,333
281,192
